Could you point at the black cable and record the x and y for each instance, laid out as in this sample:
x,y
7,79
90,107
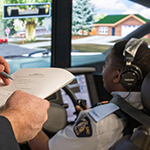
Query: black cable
x,y
128,94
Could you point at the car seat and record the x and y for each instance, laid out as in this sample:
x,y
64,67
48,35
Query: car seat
x,y
140,139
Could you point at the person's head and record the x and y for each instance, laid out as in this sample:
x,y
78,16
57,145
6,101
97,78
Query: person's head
x,y
115,62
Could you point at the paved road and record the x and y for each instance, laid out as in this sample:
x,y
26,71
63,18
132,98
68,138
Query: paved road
x,y
11,49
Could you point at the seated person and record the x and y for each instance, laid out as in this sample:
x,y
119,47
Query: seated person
x,y
89,134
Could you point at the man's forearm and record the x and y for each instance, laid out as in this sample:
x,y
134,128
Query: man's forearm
x,y
40,142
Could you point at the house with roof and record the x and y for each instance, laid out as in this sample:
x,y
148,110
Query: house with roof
x,y
118,25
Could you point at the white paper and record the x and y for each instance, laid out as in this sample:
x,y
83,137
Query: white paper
x,y
40,82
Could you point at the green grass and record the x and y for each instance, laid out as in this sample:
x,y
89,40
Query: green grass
x,y
82,47
145,39
78,47
46,47
86,47
90,47
26,42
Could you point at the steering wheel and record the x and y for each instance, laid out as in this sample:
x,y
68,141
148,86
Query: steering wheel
x,y
57,115
71,95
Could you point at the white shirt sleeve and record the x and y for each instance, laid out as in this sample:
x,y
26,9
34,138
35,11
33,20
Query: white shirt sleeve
x,y
86,134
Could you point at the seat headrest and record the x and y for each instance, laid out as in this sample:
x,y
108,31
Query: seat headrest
x,y
145,93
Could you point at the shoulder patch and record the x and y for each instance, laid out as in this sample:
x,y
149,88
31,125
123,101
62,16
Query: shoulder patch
x,y
101,111
83,128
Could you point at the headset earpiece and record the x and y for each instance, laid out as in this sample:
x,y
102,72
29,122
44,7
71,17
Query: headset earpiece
x,y
131,75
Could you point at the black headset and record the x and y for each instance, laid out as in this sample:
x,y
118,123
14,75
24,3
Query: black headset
x,y
131,75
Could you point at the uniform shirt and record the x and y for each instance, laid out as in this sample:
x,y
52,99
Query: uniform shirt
x,y
87,134
7,138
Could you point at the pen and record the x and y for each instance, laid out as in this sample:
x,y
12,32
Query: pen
x,y
6,75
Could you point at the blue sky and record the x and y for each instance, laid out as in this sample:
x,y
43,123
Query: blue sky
x,y
120,7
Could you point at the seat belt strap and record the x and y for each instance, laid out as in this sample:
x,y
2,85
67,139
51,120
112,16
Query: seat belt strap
x,y
131,111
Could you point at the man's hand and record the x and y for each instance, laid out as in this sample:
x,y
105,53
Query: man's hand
x,y
4,66
26,113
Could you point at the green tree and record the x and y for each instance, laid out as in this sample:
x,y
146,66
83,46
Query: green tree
x,y
9,24
30,23
83,12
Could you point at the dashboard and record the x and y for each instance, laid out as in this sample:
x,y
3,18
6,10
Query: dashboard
x,y
83,87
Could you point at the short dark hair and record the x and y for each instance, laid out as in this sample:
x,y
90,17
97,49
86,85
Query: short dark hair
x,y
142,57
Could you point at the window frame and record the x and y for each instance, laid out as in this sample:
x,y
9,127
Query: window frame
x,y
103,30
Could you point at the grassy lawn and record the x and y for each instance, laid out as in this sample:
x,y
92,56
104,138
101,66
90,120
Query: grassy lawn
x,y
90,47
147,40
144,39
80,47
27,42
79,36
86,47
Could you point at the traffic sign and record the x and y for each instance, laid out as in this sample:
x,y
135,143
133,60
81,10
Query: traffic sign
x,y
7,30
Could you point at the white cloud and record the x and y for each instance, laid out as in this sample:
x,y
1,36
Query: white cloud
x,y
130,11
125,7
109,4
122,6
145,13
138,9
